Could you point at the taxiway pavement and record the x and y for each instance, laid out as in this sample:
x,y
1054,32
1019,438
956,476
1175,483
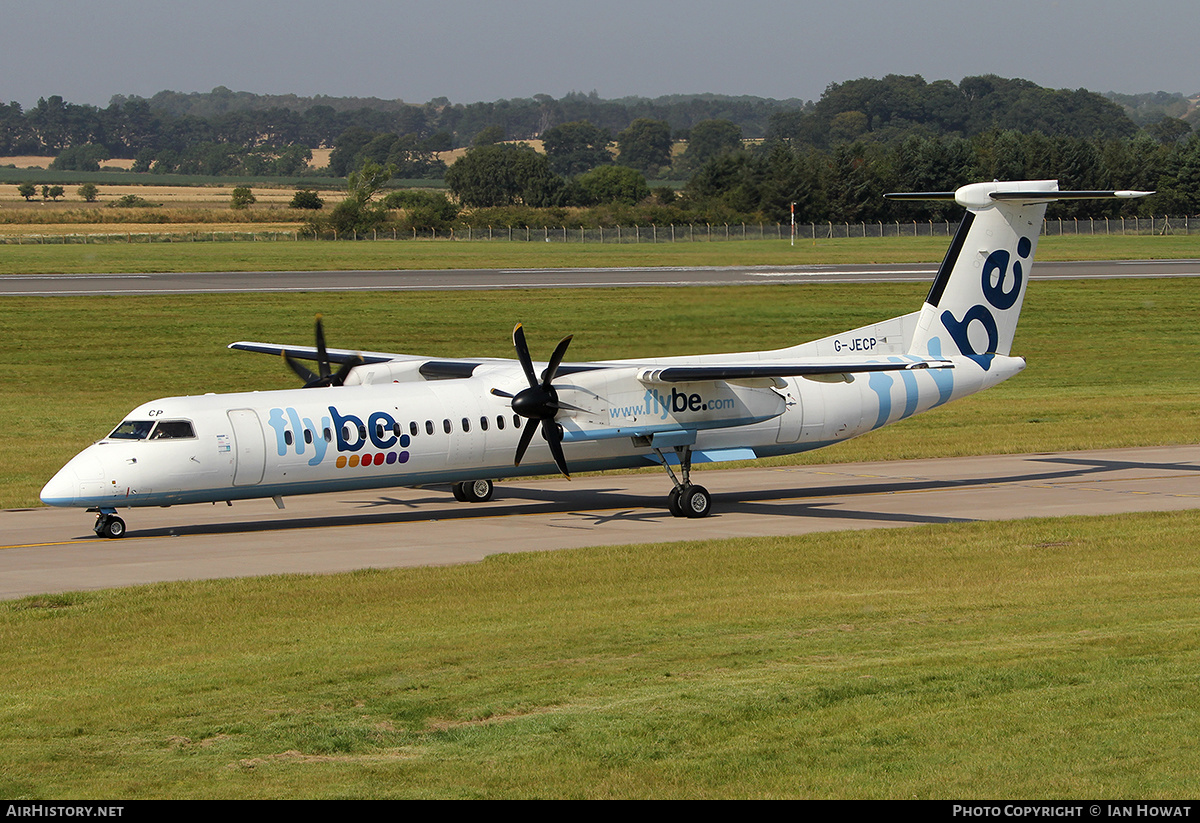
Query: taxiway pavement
x,y
54,550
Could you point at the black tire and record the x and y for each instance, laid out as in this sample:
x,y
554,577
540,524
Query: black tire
x,y
696,502
460,492
478,491
114,528
673,502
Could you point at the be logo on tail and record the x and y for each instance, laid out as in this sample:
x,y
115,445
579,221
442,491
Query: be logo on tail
x,y
1002,288
977,294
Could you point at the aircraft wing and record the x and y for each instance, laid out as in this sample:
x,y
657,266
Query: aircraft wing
x,y
310,353
760,371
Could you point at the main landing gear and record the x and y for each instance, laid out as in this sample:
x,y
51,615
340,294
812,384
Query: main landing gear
x,y
108,524
473,491
686,499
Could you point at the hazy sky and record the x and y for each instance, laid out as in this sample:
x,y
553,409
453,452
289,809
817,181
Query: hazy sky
x,y
470,51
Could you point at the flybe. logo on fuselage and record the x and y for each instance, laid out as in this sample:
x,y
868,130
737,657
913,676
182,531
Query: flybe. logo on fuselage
x,y
379,437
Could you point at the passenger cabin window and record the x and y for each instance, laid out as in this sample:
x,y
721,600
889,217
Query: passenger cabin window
x,y
132,430
466,424
446,426
413,428
429,427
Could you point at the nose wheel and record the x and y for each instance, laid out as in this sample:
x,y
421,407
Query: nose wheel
x,y
686,498
109,525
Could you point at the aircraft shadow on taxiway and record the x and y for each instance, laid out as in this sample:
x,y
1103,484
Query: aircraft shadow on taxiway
x,y
597,507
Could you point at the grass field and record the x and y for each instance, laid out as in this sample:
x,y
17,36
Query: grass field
x,y
1028,659
312,255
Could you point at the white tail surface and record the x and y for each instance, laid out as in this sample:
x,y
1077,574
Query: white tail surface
x,y
975,302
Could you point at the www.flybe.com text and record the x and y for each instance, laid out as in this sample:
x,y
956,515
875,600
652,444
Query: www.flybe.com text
x,y
659,405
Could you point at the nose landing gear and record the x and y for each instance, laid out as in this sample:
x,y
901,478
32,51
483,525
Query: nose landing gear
x,y
108,524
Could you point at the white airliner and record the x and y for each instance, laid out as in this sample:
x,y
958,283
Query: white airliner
x,y
386,420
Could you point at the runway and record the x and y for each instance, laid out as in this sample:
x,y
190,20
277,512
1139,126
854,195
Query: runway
x,y
244,282
53,550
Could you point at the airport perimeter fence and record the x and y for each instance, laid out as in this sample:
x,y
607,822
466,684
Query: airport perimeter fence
x,y
677,233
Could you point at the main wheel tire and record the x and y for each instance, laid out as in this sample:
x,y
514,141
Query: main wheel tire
x,y
696,502
478,491
674,504
113,528
460,492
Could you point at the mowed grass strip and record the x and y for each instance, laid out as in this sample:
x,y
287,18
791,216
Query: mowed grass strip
x,y
1036,658
1110,362
312,255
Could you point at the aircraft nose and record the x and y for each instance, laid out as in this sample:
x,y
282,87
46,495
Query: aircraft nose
x,y
62,488
67,487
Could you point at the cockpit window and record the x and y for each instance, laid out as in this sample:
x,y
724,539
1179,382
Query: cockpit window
x,y
172,429
132,430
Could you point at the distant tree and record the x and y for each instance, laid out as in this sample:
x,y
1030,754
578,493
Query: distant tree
x,y
422,209
27,190
504,175
306,199
615,184
88,192
358,213
242,198
488,136
132,201
441,141
1169,130
54,192
711,138
574,148
645,145
80,158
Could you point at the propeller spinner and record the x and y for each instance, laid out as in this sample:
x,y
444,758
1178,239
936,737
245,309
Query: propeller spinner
x,y
539,403
324,376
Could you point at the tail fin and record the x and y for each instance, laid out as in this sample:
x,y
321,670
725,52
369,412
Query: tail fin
x,y
973,306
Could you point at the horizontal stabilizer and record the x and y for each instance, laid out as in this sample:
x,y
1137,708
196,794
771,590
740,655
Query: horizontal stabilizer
x,y
979,195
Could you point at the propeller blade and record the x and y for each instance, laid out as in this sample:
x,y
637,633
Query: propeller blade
x,y
553,435
523,354
539,402
325,375
555,360
339,378
526,437
322,354
303,372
